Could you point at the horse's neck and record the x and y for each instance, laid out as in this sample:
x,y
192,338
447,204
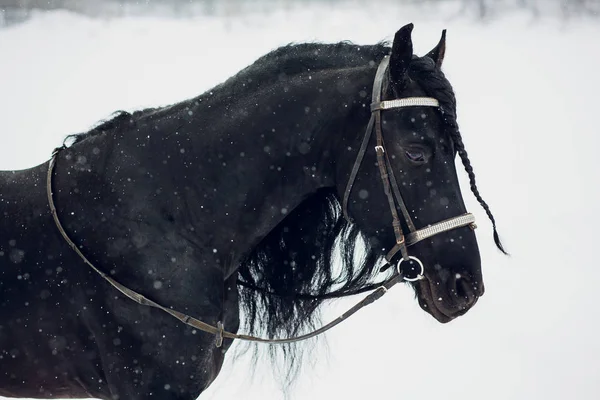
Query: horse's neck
x,y
222,173
248,161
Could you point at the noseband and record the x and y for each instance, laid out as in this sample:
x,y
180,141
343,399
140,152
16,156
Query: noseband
x,y
390,185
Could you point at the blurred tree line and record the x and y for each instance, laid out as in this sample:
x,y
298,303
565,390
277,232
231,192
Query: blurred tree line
x,y
565,8
16,10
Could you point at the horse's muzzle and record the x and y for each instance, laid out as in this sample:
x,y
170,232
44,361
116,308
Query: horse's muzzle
x,y
446,295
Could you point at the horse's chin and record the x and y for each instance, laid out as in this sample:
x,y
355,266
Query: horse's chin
x,y
427,298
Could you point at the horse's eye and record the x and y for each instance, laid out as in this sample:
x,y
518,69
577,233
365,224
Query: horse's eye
x,y
415,155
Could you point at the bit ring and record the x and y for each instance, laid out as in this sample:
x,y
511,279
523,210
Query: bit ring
x,y
419,275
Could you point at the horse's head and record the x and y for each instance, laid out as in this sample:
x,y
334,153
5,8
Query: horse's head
x,y
419,150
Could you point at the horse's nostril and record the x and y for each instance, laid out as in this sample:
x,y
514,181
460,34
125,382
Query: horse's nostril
x,y
461,291
465,292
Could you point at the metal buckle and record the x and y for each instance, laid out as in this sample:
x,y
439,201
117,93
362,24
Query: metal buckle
x,y
409,278
219,338
379,148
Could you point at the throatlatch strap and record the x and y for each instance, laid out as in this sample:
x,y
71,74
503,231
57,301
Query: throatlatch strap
x,y
356,167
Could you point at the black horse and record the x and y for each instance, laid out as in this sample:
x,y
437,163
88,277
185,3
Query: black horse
x,y
231,200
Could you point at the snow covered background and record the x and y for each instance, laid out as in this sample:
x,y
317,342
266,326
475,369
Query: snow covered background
x,y
528,108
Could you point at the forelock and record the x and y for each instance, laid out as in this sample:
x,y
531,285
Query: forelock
x,y
433,81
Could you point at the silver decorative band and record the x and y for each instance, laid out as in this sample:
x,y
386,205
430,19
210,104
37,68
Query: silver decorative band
x,y
447,225
407,102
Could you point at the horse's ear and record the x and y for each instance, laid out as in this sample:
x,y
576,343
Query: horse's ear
x,y
402,51
439,51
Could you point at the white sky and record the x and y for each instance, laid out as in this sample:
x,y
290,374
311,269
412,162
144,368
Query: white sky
x,y
527,102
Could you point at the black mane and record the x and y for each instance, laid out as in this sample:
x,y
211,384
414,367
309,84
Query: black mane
x,y
301,58
287,60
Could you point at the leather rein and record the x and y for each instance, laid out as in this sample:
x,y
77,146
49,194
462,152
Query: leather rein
x,y
388,179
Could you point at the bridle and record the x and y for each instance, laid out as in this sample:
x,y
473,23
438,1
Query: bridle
x,y
390,185
388,181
